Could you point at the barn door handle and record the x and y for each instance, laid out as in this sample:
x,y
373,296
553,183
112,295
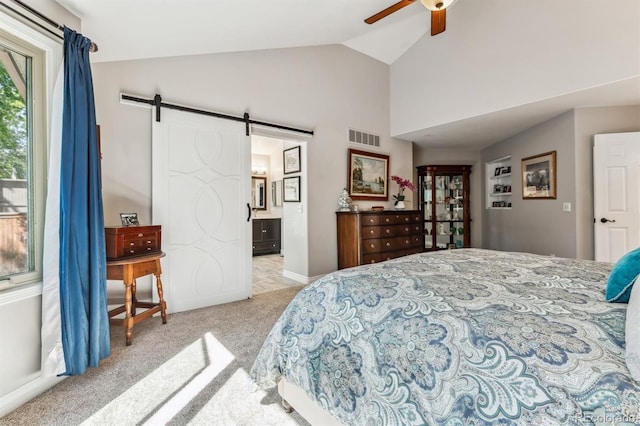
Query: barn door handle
x,y
249,208
605,220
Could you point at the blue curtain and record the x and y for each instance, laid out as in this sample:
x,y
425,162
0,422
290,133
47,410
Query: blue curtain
x,y
83,304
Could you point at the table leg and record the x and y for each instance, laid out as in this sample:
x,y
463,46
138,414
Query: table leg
x,y
128,295
134,300
163,305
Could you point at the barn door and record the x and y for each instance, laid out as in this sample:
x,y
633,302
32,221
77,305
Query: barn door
x,y
201,187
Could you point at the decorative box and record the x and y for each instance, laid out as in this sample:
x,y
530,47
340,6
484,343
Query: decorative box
x,y
128,241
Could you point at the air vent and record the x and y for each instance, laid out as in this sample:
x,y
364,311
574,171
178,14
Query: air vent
x,y
356,136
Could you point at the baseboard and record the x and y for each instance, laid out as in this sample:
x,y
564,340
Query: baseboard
x,y
27,392
300,278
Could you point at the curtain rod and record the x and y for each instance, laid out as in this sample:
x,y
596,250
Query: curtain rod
x,y
92,47
157,103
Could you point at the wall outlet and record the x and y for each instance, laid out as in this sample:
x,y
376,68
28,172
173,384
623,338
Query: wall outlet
x,y
566,207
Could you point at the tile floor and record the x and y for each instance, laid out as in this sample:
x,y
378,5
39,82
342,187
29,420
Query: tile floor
x,y
267,274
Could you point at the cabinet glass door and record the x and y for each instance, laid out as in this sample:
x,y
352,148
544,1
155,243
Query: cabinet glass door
x,y
444,201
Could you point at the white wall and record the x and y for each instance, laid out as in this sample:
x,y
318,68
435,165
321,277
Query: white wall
x,y
328,89
536,226
492,58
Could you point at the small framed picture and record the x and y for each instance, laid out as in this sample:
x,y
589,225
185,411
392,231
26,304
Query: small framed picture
x,y
291,160
505,170
497,171
129,219
291,189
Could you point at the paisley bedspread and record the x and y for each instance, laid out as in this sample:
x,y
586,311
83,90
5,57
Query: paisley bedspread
x,y
458,337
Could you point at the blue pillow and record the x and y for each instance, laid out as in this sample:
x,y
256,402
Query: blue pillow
x,y
622,276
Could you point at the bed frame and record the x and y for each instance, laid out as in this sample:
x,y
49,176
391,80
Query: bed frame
x,y
293,397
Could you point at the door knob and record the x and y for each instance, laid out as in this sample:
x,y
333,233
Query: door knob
x,y
605,220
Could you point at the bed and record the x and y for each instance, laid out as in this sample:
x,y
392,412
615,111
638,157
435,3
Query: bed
x,y
456,337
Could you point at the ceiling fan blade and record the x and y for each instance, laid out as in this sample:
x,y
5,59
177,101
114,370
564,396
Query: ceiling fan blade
x,y
438,21
388,11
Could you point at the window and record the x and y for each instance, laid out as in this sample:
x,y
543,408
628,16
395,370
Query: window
x,y
22,162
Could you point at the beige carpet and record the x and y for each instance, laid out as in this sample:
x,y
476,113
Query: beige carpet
x,y
193,370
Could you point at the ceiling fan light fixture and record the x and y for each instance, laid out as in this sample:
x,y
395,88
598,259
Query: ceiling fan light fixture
x,y
436,4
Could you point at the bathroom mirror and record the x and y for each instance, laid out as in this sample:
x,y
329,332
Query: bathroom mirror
x,y
276,193
259,193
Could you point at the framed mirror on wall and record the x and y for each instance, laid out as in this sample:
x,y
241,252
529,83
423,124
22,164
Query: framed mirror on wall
x,y
276,193
259,193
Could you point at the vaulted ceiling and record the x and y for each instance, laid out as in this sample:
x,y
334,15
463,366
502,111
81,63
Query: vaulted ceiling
x,y
134,29
138,29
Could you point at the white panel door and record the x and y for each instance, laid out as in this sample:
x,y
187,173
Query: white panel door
x,y
616,184
201,186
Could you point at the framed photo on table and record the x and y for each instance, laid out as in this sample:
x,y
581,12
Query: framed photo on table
x,y
368,176
129,219
291,160
539,176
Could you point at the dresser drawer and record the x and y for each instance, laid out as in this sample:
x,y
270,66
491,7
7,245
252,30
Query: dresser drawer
x,y
398,243
371,258
128,241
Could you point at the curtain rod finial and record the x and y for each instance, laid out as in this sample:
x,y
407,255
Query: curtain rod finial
x,y
93,47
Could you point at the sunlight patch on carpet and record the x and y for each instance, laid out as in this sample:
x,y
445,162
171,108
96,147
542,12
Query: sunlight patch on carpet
x,y
165,391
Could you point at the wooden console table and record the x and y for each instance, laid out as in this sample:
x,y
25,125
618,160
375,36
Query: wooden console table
x,y
128,270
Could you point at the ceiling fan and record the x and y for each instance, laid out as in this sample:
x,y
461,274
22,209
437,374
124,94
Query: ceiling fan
x,y
438,10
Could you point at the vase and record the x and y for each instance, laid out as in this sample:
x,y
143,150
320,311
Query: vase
x,y
399,205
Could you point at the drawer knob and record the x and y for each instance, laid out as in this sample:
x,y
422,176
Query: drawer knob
x,y
140,235
132,244
132,251
407,242
372,261
388,231
373,245
148,248
371,232
148,241
406,229
388,244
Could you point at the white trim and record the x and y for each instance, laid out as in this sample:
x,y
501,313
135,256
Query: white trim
x,y
36,385
20,293
300,278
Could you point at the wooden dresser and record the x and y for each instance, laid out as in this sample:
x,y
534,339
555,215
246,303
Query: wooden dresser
x,y
128,241
370,237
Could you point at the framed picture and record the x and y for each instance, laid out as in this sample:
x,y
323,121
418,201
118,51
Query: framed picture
x,y
368,174
291,189
539,176
129,219
497,171
291,160
505,170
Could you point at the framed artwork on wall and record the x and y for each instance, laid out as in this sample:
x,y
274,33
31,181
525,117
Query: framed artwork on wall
x,y
291,160
539,176
368,175
291,189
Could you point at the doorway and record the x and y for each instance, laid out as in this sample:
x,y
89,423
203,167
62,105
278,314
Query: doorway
x,y
269,221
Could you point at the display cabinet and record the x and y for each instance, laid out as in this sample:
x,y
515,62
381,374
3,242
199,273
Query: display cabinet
x,y
443,197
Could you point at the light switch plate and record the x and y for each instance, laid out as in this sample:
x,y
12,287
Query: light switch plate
x,y
566,207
